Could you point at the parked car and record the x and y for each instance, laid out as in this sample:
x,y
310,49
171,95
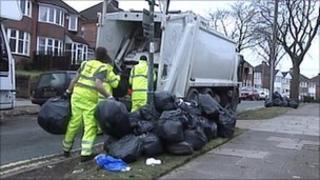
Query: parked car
x,y
51,84
263,93
249,93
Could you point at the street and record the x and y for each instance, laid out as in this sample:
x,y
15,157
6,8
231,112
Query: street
x,y
22,138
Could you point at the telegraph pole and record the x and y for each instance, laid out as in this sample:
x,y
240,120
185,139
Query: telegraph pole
x,y
273,49
148,26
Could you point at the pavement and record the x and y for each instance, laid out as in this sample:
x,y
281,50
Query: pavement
x,y
286,147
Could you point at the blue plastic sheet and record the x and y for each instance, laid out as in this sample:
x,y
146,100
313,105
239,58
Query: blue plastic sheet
x,y
110,163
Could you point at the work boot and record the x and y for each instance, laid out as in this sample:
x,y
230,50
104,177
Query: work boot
x,y
87,158
66,154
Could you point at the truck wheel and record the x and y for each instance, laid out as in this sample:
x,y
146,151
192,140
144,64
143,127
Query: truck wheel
x,y
192,94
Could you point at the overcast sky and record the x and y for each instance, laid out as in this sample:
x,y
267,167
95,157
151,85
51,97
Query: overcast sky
x,y
309,67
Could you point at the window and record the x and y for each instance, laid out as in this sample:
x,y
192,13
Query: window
x,y
73,23
4,57
78,53
26,7
19,42
51,15
49,46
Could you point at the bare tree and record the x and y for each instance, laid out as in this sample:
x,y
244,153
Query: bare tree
x,y
298,25
235,23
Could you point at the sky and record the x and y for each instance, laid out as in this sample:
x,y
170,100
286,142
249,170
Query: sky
x,y
310,67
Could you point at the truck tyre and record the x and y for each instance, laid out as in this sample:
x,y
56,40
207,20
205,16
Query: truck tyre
x,y
192,94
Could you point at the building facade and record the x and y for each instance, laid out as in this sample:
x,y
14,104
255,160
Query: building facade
x,y
48,28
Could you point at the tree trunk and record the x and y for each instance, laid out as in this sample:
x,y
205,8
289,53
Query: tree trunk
x,y
295,82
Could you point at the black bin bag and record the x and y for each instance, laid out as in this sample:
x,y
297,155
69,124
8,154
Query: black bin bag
x,y
151,145
277,102
181,148
293,104
170,131
164,101
208,105
226,125
128,148
209,128
149,113
143,127
196,138
54,115
268,103
176,115
113,118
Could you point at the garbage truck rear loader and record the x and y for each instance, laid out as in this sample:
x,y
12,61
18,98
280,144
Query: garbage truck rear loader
x,y
190,57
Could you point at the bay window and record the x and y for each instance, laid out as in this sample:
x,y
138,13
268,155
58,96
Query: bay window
x,y
51,15
19,42
50,46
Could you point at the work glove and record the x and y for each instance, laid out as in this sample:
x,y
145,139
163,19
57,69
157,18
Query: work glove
x,y
66,95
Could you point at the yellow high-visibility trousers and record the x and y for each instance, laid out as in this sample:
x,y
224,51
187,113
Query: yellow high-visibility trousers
x,y
82,115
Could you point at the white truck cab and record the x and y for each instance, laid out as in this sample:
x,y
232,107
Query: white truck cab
x,y
8,10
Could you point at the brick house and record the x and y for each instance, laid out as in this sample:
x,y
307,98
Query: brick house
x,y
262,76
49,28
90,15
247,73
316,81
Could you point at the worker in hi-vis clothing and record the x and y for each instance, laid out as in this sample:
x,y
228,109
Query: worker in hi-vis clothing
x,y
85,89
111,81
139,81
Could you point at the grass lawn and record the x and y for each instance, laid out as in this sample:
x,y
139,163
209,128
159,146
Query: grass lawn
x,y
263,113
141,171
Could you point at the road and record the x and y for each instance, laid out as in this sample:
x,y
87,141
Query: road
x,y
22,138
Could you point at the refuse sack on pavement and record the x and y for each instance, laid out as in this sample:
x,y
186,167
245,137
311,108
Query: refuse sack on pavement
x,y
164,101
143,127
113,118
284,103
208,105
195,137
268,103
108,140
151,145
190,107
110,163
276,95
226,125
128,148
277,102
176,115
54,115
181,148
293,104
149,113
134,117
209,128
170,130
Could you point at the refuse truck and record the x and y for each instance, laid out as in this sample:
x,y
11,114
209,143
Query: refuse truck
x,y
190,57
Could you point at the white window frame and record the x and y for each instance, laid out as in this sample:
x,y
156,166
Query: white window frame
x,y
74,50
26,39
76,23
28,8
46,45
55,10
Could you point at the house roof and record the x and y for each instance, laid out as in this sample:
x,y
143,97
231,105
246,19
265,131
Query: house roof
x,y
60,3
77,39
91,13
316,80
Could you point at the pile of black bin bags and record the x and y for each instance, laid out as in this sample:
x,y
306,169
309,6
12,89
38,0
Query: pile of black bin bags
x,y
172,125
283,101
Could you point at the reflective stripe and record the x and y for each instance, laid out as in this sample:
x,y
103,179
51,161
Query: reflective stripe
x,y
87,142
110,81
139,75
86,151
139,90
66,146
86,86
87,78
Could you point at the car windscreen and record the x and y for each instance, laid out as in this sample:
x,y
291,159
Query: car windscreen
x,y
54,80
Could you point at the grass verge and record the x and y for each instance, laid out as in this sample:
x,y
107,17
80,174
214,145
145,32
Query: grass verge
x,y
262,113
141,171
